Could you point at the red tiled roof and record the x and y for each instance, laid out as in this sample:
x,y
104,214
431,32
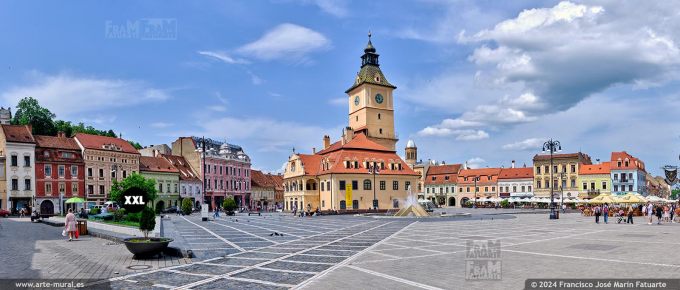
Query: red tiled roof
x,y
277,180
156,164
257,178
360,141
482,173
98,142
634,163
441,172
311,163
185,171
516,173
602,168
18,133
56,142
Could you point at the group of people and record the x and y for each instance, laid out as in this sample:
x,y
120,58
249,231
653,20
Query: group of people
x,y
663,213
303,213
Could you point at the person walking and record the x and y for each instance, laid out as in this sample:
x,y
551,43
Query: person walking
x,y
295,209
666,214
649,212
605,212
672,212
564,208
659,214
630,215
597,212
70,224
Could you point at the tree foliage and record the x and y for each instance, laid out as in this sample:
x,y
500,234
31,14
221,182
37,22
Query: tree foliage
x,y
147,185
147,221
229,204
187,205
29,112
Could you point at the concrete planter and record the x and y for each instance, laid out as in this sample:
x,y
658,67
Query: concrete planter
x,y
146,247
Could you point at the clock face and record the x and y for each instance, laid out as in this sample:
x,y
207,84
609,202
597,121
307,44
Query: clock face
x,y
379,98
356,100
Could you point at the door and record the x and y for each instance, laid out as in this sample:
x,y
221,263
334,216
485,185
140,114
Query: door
x,y
46,208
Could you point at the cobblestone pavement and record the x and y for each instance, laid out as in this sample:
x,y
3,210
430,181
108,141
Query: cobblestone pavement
x,y
244,254
432,255
35,250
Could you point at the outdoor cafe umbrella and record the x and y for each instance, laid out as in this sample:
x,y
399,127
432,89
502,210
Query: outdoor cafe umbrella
x,y
75,200
631,198
603,198
654,198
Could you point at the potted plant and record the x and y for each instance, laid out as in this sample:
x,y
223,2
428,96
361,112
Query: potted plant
x,y
143,247
130,189
229,205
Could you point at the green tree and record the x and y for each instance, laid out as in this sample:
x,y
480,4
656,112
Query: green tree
x,y
229,205
505,203
133,180
674,193
64,126
135,144
147,222
29,112
186,206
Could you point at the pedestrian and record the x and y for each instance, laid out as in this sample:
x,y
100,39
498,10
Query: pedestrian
x,y
564,208
659,214
672,212
630,215
309,209
605,212
597,214
21,213
295,209
650,212
666,214
70,224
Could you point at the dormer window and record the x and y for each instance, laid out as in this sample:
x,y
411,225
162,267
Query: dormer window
x,y
434,178
464,178
446,177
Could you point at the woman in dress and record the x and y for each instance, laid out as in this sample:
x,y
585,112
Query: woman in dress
x,y
70,224
666,214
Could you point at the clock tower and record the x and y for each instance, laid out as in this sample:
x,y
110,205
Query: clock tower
x,y
371,106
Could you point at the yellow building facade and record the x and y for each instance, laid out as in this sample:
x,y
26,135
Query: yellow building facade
x,y
565,169
340,176
594,180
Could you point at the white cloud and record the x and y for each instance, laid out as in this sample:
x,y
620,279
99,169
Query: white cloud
x,y
286,41
254,79
472,135
222,56
160,125
530,144
341,101
66,94
337,8
475,162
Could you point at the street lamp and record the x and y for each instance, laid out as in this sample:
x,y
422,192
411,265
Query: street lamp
x,y
552,146
475,204
373,169
562,183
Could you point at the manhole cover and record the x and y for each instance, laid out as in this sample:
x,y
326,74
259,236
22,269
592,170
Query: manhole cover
x,y
139,267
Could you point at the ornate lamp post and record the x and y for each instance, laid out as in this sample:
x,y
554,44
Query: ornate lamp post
x,y
552,146
373,169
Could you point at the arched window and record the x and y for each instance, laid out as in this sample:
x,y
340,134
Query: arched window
x,y
381,131
367,184
378,116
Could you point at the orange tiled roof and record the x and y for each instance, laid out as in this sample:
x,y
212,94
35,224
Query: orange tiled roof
x,y
580,155
311,163
258,178
185,171
441,172
634,163
99,142
56,142
516,173
18,133
156,164
602,168
482,173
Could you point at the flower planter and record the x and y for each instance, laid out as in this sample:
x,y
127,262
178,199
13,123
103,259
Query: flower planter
x,y
142,247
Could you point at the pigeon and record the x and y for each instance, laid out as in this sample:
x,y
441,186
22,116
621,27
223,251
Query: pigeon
x,y
236,220
271,234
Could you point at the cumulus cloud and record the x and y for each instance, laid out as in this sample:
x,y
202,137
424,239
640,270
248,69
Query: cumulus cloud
x,y
475,162
463,135
566,53
337,8
286,42
66,94
222,56
530,144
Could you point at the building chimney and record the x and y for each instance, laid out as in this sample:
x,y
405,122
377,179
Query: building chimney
x,y
347,135
61,134
513,164
313,150
326,141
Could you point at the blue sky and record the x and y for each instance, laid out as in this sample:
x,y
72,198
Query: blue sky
x,y
483,81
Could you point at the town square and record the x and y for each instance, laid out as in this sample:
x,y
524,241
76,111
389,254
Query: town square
x,y
339,144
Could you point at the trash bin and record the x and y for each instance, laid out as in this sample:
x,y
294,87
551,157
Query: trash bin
x,y
82,226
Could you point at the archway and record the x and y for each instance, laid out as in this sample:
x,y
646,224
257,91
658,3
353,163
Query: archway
x,y
46,207
452,201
